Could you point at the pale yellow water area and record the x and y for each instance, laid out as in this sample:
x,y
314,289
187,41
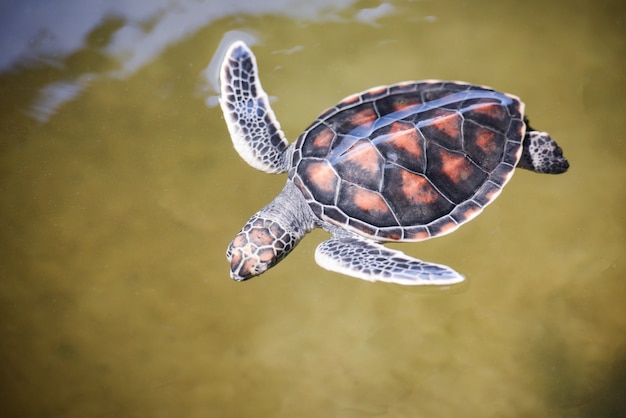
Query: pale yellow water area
x,y
119,200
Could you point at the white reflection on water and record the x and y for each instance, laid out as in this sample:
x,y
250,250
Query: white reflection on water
x,y
37,31
54,95
371,15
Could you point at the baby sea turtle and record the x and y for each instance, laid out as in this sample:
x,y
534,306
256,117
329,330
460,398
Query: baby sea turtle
x,y
405,162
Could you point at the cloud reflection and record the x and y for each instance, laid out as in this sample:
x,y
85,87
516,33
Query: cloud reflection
x,y
135,32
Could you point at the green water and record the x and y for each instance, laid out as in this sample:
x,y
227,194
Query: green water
x,y
118,204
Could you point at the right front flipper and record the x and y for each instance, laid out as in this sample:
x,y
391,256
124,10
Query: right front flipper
x,y
253,128
369,260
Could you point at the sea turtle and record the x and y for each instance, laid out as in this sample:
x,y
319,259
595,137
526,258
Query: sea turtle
x,y
405,162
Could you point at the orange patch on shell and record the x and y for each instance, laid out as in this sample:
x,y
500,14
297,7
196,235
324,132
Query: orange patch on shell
x,y
364,118
322,175
323,139
450,125
446,228
406,137
370,202
472,213
419,235
493,194
485,140
363,154
455,167
395,237
351,99
376,90
417,189
493,110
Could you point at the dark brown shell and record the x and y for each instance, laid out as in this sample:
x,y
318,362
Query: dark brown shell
x,y
410,161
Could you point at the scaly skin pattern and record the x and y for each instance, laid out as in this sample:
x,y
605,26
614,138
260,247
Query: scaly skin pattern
x,y
270,234
260,245
368,260
542,155
253,128
405,162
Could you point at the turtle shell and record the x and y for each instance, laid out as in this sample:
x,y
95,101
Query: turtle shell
x,y
410,161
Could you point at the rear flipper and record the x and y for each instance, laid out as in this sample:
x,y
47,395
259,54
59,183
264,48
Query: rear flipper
x,y
369,260
542,154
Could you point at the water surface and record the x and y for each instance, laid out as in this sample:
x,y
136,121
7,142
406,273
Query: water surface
x,y
121,190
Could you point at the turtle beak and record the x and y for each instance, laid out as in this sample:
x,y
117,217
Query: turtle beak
x,y
236,258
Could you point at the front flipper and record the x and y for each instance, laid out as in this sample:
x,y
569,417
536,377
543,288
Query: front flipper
x,y
369,260
251,122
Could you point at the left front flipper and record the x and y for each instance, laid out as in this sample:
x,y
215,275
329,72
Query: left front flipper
x,y
368,260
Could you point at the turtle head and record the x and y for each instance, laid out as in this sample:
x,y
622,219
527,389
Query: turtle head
x,y
259,246
542,154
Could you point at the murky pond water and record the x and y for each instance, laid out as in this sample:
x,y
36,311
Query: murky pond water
x,y
121,190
